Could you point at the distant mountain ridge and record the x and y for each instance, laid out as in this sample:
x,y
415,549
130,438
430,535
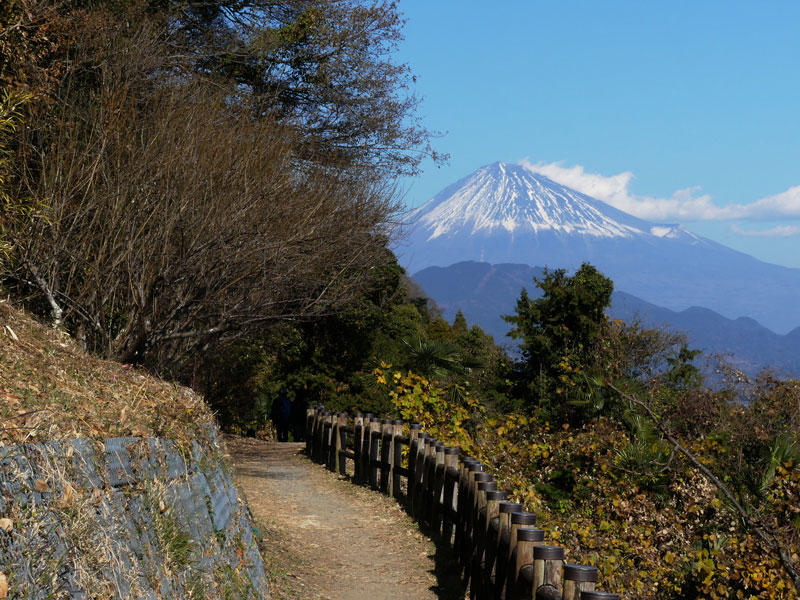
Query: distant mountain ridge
x,y
505,213
485,292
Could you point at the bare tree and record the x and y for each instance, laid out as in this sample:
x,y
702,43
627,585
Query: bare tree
x,y
174,218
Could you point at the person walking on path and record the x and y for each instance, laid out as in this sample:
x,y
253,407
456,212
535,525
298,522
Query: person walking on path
x,y
281,411
298,418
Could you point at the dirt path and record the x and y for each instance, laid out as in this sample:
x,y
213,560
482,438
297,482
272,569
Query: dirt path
x,y
325,538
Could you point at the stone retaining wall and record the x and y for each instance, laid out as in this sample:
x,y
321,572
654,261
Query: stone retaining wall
x,y
127,518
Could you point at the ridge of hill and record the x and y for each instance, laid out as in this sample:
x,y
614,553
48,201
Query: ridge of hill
x,y
484,292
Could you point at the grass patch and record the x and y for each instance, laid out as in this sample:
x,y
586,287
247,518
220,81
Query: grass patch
x,y
51,389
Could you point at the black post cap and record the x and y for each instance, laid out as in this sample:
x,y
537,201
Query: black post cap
x,y
450,450
580,573
481,476
523,518
548,553
510,507
397,422
530,535
586,595
487,486
476,466
415,426
496,495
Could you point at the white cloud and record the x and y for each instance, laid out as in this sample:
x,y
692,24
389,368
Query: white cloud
x,y
683,205
777,231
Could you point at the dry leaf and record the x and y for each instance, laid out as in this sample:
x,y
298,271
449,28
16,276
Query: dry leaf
x,y
6,524
69,494
3,586
41,486
16,339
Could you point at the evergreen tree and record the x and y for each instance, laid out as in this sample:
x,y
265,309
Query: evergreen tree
x,y
560,334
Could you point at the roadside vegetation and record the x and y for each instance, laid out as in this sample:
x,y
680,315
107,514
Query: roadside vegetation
x,y
608,433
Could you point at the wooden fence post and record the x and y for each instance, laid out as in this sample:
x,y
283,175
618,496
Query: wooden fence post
x,y
438,488
548,562
386,454
333,452
518,520
451,478
463,474
330,441
342,446
429,470
522,582
488,545
310,429
320,436
397,458
466,509
314,434
578,578
358,442
365,449
413,449
478,478
501,552
419,476
374,452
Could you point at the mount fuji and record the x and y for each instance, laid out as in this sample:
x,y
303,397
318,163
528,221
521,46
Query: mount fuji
x,y
505,213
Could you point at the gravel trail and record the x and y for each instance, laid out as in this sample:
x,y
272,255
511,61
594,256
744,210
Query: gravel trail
x,y
325,538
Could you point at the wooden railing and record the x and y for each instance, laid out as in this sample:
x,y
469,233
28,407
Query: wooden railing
x,y
501,553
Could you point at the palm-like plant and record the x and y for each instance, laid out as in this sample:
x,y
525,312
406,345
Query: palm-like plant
x,y
434,359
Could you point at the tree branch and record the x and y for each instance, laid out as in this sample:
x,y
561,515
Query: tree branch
x,y
58,312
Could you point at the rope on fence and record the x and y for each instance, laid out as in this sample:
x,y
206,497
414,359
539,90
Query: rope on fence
x,y
500,552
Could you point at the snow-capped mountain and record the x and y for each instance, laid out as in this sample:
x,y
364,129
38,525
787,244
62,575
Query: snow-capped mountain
x,y
509,198
505,213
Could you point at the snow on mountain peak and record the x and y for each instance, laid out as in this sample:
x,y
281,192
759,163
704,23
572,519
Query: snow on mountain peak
x,y
505,196
674,232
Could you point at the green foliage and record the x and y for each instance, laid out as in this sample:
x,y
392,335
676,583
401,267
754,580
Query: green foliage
x,y
560,335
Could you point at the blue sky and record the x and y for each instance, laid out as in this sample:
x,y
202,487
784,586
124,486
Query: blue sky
x,y
674,111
